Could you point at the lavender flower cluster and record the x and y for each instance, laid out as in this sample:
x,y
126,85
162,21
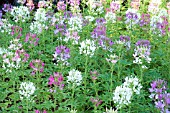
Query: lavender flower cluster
x,y
160,95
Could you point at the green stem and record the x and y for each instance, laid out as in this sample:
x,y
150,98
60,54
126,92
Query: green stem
x,y
85,72
27,105
72,97
94,81
119,65
141,73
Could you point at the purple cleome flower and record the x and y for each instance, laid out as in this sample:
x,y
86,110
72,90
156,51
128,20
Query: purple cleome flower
x,y
100,21
16,30
60,28
68,14
7,7
32,39
145,20
132,16
61,6
160,96
124,38
74,2
62,54
56,80
145,43
163,26
98,32
37,66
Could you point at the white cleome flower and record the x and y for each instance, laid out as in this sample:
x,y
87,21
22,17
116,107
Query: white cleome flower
x,y
40,15
5,26
37,27
74,77
26,89
133,83
2,51
110,17
75,24
20,13
88,47
122,96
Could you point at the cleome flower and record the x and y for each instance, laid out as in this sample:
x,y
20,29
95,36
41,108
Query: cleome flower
x,y
20,13
142,52
122,94
88,47
74,77
26,90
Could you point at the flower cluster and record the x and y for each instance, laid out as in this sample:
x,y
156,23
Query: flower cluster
x,y
114,6
142,52
75,24
74,5
132,17
96,101
40,15
10,61
113,59
135,4
88,47
30,4
96,8
37,66
74,77
32,39
122,94
37,28
5,26
72,36
61,6
62,54
17,31
7,8
56,80
110,17
99,34
126,41
60,28
12,58
15,45
20,13
159,23
94,75
153,7
160,96
26,89
145,20
45,4
22,55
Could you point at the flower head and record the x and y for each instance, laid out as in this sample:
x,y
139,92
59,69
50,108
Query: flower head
x,y
56,80
87,47
7,7
62,54
26,89
74,77
37,66
61,6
